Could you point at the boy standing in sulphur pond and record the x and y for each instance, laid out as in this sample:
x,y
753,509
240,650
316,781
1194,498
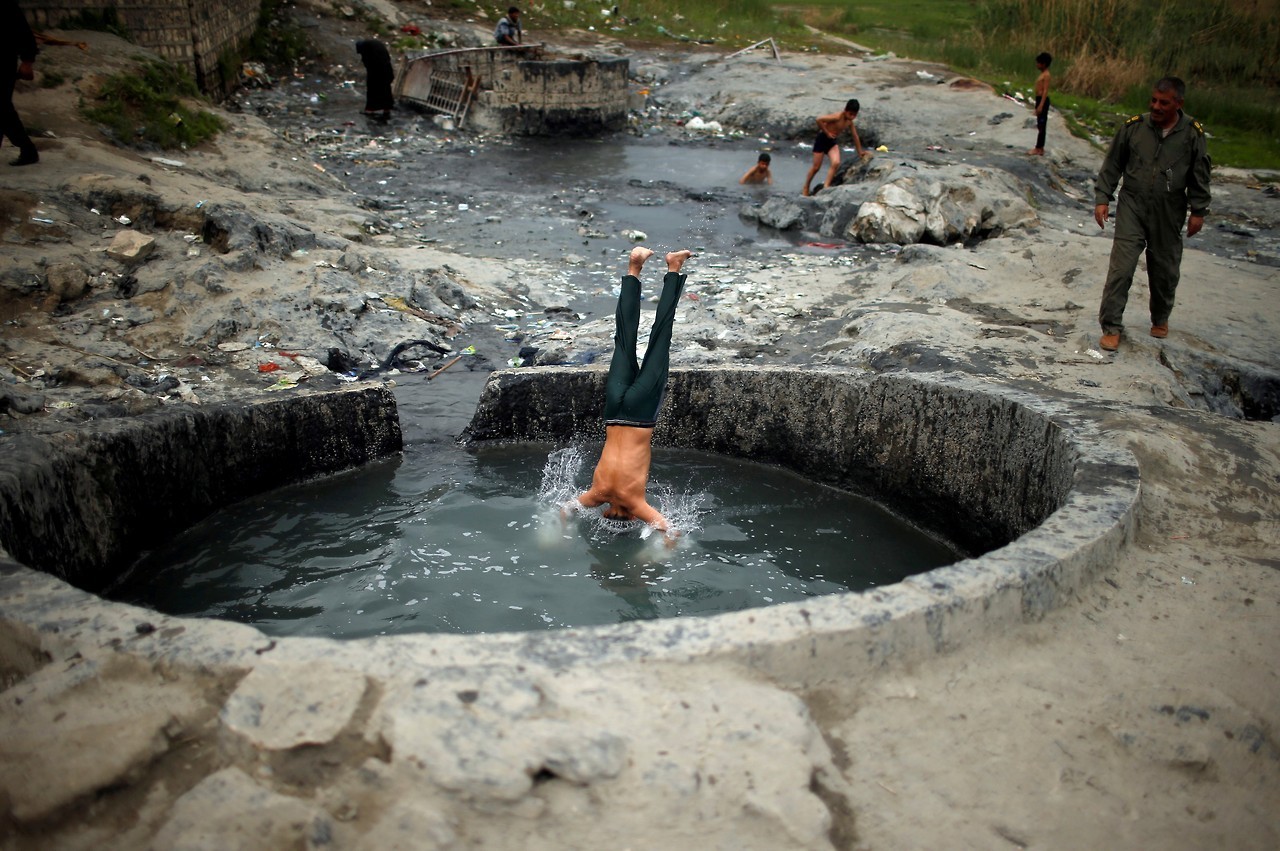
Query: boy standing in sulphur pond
x,y
1042,103
826,144
759,173
633,395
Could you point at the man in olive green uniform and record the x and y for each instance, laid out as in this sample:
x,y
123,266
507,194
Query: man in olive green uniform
x,y
1165,164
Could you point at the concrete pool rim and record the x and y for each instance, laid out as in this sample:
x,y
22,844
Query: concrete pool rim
x,y
792,643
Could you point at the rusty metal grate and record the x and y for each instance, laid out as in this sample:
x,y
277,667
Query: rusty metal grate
x,y
448,92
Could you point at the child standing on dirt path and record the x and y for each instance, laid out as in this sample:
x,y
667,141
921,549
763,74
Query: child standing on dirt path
x,y
1042,103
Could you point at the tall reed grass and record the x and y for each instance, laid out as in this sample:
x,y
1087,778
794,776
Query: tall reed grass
x,y
1114,49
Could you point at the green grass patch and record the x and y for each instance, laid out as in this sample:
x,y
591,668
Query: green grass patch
x,y
1107,53
149,106
727,23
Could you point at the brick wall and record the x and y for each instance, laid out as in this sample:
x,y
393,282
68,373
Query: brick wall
x,y
192,33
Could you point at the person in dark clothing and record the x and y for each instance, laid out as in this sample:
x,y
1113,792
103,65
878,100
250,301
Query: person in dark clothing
x,y
377,63
19,48
1164,160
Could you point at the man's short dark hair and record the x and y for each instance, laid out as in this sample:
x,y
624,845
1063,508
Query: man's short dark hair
x,y
764,158
852,105
1044,59
1172,84
514,10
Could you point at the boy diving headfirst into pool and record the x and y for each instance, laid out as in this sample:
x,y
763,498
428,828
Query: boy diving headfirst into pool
x,y
633,394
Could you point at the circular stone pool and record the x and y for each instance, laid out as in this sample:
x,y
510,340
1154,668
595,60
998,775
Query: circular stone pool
x,y
448,540
1023,481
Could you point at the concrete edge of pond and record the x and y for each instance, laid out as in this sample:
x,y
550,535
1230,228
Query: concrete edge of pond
x,y
795,644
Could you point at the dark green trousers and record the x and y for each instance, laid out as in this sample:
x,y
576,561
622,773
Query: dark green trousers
x,y
633,392
1156,228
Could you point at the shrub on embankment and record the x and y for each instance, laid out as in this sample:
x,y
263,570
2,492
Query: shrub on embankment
x,y
152,105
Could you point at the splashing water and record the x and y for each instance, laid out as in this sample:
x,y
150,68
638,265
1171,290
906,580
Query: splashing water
x,y
561,487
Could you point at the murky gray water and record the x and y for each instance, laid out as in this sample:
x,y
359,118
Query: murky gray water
x,y
446,540
520,197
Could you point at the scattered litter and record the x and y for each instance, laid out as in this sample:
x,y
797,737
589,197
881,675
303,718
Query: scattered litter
x,y
124,220
773,47
443,368
1095,354
1186,581
62,405
697,125
268,367
884,149
42,221
635,235
1084,382
978,266
168,162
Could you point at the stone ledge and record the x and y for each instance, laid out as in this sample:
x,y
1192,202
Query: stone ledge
x,y
81,504
1043,545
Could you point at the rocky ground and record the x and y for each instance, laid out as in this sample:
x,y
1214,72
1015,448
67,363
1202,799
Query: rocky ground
x,y
278,259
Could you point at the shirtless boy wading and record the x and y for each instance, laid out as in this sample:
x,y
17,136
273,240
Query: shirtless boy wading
x,y
633,394
826,145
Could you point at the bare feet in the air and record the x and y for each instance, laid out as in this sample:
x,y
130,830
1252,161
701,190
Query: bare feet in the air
x,y
675,259
635,262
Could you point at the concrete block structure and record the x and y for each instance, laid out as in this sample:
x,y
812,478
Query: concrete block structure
x,y
521,90
192,33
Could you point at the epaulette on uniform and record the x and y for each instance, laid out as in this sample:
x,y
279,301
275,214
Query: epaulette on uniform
x,y
1131,120
1199,127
